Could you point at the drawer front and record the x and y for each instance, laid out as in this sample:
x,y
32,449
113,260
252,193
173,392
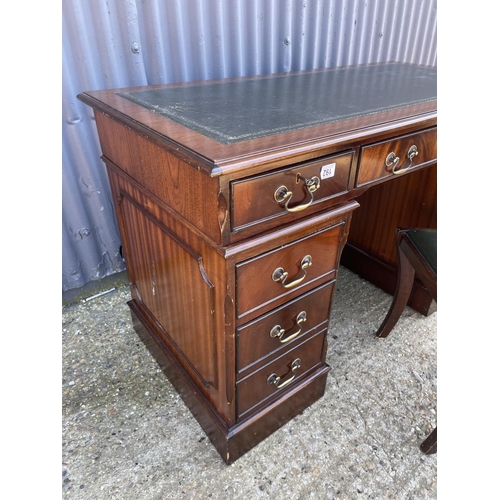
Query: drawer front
x,y
282,327
397,156
280,374
273,278
300,189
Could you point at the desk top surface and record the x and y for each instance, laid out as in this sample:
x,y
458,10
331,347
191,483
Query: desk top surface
x,y
226,119
233,111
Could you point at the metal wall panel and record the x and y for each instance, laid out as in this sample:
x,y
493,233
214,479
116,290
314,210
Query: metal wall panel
x,y
110,44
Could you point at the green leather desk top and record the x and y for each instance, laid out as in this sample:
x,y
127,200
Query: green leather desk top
x,y
231,111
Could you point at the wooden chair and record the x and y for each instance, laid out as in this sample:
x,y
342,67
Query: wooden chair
x,y
417,256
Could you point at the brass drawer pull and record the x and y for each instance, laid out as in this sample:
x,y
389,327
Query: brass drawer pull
x,y
392,160
283,194
280,274
277,331
275,379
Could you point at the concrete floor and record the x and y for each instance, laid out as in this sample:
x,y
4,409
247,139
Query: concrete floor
x,y
128,435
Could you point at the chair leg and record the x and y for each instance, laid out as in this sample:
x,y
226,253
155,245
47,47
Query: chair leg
x,y
406,273
429,445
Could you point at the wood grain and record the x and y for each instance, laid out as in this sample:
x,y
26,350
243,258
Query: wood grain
x,y
407,201
254,342
372,164
255,389
256,287
253,198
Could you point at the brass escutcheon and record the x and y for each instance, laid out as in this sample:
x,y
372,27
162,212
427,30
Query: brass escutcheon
x,y
278,331
275,379
281,275
283,194
392,160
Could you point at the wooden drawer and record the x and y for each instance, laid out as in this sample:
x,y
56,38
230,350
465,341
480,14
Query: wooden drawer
x,y
282,328
273,278
283,194
292,366
397,156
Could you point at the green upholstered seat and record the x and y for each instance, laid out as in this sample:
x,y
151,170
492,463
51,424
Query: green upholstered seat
x,y
426,242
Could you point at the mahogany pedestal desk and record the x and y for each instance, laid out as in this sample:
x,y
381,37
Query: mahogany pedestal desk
x,y
234,200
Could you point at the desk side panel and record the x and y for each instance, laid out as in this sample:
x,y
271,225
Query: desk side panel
x,y
191,194
178,282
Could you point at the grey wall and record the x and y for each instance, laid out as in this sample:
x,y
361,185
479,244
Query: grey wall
x,y
121,43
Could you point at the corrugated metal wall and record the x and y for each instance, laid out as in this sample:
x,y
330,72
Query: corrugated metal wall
x,y
110,44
